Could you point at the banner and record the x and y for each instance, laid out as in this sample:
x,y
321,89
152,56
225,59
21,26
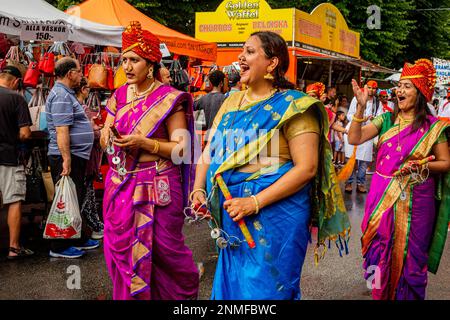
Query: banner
x,y
442,71
325,30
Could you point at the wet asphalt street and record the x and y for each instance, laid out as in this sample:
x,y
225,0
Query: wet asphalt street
x,y
42,277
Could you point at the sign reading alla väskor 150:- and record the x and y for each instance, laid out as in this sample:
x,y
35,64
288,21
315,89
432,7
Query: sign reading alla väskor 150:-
x,y
54,31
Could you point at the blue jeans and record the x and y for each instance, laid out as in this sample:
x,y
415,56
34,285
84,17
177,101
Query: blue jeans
x,y
361,166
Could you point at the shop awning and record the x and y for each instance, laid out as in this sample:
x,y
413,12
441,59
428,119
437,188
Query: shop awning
x,y
120,13
15,13
361,63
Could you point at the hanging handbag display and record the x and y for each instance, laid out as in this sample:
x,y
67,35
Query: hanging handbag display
x,y
198,81
32,75
15,58
47,63
37,109
179,76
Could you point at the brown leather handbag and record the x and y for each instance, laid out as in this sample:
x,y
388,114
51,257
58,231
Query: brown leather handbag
x,y
98,76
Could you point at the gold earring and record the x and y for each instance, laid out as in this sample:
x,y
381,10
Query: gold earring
x,y
269,76
150,74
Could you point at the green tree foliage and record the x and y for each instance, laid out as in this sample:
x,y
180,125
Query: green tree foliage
x,y
431,34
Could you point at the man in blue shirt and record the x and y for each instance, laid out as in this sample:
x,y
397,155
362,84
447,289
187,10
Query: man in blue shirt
x,y
71,140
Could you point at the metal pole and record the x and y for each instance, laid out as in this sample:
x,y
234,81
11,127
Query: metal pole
x,y
329,73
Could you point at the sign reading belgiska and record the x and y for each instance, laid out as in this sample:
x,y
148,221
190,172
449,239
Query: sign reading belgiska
x,y
52,31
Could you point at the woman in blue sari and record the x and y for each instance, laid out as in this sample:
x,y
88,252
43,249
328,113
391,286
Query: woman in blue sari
x,y
269,144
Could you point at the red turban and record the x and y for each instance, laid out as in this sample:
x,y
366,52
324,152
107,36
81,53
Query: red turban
x,y
318,88
372,83
383,93
423,75
142,42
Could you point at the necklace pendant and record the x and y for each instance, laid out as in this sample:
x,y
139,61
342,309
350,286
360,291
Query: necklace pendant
x,y
403,196
399,149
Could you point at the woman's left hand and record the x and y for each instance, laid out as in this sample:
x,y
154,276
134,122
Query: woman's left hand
x,y
361,94
238,208
132,141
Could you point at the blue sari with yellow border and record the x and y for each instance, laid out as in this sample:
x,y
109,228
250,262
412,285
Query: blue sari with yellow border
x,y
272,269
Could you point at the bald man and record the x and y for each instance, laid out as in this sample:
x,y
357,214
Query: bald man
x,y
165,75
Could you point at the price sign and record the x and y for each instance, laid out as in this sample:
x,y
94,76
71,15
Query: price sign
x,y
44,32
164,50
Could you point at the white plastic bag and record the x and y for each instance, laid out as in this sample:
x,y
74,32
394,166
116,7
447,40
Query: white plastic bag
x,y
64,219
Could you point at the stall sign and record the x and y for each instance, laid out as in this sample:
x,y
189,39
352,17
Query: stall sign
x,y
442,71
164,50
51,31
235,20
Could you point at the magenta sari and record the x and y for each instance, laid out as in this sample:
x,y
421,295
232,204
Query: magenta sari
x,y
143,241
397,229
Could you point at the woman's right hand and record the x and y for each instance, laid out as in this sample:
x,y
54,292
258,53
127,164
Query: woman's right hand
x,y
104,137
198,199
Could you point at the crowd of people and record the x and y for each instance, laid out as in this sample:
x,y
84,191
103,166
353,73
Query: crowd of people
x,y
267,173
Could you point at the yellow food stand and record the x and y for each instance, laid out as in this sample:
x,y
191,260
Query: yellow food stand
x,y
321,46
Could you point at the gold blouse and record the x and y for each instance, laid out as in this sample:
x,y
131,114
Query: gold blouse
x,y
299,124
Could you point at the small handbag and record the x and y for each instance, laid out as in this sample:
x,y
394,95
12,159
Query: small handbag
x,y
120,77
34,183
98,76
47,63
32,75
37,109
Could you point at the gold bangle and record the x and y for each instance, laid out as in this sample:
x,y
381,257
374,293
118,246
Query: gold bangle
x,y
191,195
156,146
358,119
256,203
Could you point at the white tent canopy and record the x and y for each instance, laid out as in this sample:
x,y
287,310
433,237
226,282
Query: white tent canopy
x,y
395,76
15,13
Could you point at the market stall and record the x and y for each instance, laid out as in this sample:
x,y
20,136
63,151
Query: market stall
x,y
34,36
55,25
321,46
120,13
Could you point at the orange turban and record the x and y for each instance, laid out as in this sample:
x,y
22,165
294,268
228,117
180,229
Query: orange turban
x,y
142,42
422,74
318,88
372,83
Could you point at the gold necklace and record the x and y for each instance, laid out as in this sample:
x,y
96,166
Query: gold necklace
x,y
400,120
136,95
248,99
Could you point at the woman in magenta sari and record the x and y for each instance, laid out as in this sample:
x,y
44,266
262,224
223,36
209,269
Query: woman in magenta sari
x,y
404,226
146,189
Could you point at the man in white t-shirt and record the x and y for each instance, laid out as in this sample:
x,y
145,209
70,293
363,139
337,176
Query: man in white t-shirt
x,y
364,151
444,107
